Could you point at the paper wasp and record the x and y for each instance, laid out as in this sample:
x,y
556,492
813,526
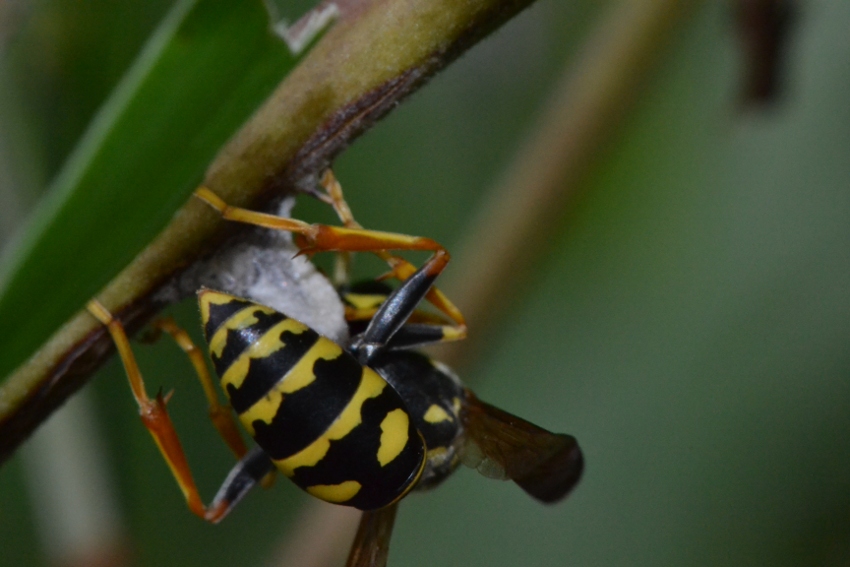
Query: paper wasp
x,y
359,424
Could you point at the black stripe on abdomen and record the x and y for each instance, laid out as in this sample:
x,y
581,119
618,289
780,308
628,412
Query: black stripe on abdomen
x,y
240,339
305,414
355,457
264,373
221,312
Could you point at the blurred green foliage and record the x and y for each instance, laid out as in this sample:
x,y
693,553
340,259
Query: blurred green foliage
x,y
689,322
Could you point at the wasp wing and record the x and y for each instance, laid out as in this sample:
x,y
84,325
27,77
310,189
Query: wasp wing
x,y
500,445
372,542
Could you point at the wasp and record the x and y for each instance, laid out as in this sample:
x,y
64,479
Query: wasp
x,y
359,424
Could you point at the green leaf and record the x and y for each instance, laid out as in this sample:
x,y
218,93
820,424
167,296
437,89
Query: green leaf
x,y
202,72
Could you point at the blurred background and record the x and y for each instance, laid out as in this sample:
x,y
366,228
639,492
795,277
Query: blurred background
x,y
684,310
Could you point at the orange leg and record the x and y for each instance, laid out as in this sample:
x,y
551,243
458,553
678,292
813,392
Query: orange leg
x,y
366,313
400,268
220,414
350,238
156,419
428,326
321,237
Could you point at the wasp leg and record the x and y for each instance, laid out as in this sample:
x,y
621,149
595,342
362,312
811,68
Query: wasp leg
x,y
362,302
220,414
324,238
400,268
156,419
320,237
354,314
414,335
372,542
333,197
397,309
252,469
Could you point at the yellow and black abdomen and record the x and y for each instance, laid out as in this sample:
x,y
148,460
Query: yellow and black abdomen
x,y
333,426
434,396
